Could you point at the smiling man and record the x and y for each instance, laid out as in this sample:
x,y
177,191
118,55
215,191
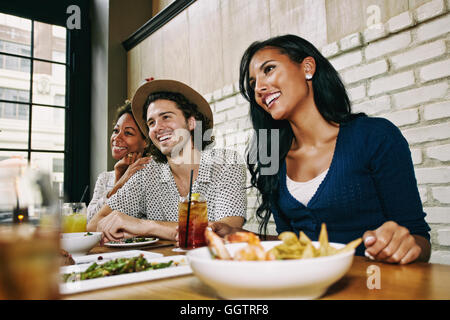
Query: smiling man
x,y
178,121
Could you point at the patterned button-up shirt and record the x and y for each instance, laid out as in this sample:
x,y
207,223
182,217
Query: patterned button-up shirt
x,y
151,192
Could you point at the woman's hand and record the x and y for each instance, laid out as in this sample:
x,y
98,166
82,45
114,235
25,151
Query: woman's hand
x,y
126,167
127,162
122,165
138,164
391,243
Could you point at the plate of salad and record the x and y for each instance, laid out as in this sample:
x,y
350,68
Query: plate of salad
x,y
120,271
131,242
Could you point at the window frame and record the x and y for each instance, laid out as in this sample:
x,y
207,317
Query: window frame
x,y
77,101
156,22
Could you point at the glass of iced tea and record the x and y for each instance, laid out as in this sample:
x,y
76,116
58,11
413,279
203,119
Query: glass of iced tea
x,y
74,217
191,230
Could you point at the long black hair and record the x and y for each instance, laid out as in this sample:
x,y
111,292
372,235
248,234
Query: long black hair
x,y
330,98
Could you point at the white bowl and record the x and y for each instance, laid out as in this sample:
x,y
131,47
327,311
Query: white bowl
x,y
279,279
79,243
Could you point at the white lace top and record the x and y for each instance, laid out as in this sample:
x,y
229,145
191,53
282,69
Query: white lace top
x,y
103,185
304,191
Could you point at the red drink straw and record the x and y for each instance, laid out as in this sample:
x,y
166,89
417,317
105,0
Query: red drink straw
x,y
188,210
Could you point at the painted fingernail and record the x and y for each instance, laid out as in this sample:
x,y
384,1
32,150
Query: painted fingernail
x,y
368,255
369,239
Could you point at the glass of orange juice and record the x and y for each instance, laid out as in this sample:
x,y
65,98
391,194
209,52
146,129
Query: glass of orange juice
x,y
74,217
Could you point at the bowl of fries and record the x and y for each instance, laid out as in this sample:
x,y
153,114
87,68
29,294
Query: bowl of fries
x,y
292,268
79,243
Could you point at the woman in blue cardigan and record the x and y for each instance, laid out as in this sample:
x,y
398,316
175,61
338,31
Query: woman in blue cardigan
x,y
350,171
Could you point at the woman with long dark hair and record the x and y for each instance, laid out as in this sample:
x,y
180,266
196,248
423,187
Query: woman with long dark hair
x,y
347,170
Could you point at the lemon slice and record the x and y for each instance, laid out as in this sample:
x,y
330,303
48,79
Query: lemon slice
x,y
195,197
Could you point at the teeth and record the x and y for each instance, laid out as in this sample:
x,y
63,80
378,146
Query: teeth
x,y
272,97
164,138
120,148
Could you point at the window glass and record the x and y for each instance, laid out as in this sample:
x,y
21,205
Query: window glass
x,y
52,163
20,66
47,128
49,39
49,80
15,35
45,114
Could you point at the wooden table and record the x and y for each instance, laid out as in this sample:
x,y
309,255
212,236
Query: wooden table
x,y
422,281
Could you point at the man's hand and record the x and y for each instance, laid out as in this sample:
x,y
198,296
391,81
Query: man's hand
x,y
118,225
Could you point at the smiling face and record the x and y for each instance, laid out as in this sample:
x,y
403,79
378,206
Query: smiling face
x,y
279,83
126,137
168,128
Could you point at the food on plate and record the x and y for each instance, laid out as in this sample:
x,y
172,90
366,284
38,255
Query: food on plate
x,y
66,258
216,245
118,266
291,248
253,251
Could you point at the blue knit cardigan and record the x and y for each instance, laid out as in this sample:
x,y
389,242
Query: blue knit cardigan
x,y
370,181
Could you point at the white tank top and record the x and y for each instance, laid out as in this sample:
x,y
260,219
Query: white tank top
x,y
304,191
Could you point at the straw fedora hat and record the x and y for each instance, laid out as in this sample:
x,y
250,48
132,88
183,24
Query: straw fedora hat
x,y
142,93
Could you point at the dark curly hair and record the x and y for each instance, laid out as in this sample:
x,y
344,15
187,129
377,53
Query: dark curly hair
x,y
189,109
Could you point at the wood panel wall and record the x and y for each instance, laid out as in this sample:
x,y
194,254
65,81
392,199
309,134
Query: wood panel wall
x,y
203,45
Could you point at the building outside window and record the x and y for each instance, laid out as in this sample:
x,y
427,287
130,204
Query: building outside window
x,y
33,93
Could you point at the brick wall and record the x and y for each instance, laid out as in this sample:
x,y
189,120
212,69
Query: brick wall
x,y
398,70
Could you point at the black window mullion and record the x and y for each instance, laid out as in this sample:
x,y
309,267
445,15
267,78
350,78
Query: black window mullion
x,y
78,110
35,104
32,150
29,58
30,111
